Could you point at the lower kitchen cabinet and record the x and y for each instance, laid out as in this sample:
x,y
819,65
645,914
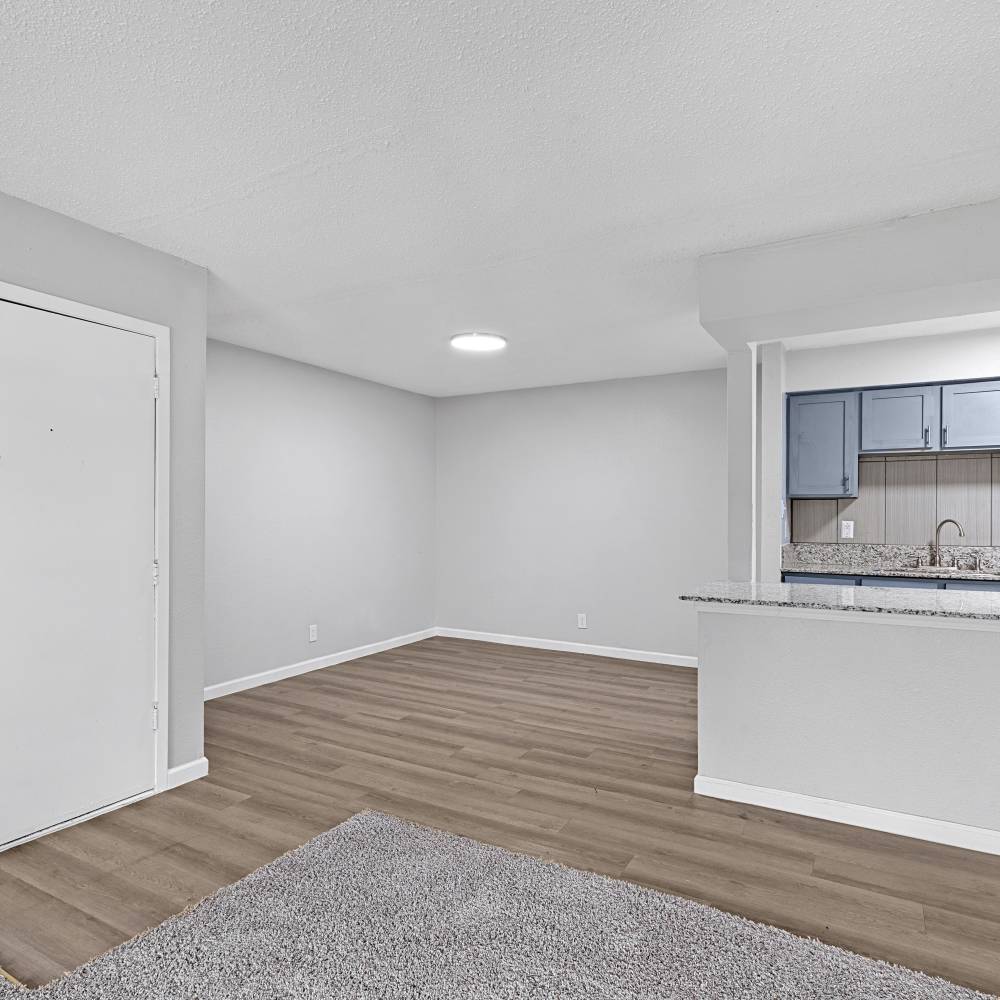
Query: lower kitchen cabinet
x,y
842,580
835,580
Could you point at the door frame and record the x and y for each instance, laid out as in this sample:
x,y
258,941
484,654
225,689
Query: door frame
x,y
18,295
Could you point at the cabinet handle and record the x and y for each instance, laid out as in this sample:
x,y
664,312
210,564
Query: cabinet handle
x,y
927,437
847,482
944,436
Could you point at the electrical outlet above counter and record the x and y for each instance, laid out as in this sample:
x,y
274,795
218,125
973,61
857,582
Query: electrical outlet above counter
x,y
829,431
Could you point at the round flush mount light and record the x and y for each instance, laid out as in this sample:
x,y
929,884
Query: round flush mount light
x,y
481,343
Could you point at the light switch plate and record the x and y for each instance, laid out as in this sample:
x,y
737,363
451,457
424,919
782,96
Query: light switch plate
x,y
846,529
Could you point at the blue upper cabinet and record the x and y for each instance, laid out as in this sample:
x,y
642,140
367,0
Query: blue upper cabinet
x,y
823,444
901,419
970,415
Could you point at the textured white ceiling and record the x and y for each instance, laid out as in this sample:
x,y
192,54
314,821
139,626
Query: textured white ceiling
x,y
365,179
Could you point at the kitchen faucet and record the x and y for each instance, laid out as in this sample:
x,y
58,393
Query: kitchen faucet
x,y
936,554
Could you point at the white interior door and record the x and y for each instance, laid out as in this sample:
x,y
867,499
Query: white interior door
x,y
77,653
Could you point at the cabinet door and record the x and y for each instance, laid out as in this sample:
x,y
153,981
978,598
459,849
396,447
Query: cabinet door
x,y
823,445
901,419
973,585
907,583
970,415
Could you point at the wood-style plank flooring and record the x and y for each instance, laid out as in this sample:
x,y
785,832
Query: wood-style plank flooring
x,y
580,759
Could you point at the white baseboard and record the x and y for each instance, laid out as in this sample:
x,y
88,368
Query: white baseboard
x,y
938,831
643,655
191,771
330,660
75,820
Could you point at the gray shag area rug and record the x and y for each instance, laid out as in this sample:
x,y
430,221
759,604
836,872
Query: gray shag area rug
x,y
380,908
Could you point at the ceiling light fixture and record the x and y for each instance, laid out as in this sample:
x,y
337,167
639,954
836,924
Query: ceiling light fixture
x,y
479,342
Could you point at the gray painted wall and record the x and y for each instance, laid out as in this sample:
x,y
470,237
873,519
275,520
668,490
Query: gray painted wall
x,y
52,253
858,709
607,498
320,500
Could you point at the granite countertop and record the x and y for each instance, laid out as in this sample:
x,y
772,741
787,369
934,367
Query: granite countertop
x,y
877,559
980,605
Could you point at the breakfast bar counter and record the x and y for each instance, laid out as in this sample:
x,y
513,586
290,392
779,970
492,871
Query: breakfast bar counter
x,y
981,606
864,705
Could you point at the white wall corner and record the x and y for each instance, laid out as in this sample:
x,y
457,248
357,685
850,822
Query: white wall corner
x,y
559,645
188,772
317,663
183,773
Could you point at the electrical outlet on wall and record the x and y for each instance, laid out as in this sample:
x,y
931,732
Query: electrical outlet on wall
x,y
581,620
846,529
313,633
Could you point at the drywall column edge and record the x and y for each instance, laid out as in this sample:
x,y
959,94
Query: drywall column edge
x,y
772,462
741,437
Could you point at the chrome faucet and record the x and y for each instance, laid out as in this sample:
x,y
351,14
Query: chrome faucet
x,y
936,554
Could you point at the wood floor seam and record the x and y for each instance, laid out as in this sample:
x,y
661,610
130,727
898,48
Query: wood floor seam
x,y
581,760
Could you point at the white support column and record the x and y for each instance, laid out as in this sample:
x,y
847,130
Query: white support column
x,y
741,420
772,516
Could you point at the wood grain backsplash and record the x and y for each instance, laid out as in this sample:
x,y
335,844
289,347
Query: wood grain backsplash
x,y
901,498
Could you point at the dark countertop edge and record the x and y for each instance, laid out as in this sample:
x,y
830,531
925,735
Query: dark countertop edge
x,y
904,573
800,606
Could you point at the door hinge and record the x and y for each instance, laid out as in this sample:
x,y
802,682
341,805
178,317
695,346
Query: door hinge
x,y
156,716
156,387
156,573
